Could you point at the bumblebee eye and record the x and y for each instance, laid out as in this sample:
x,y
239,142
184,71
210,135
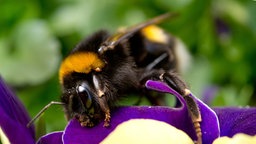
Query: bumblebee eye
x,y
81,89
84,94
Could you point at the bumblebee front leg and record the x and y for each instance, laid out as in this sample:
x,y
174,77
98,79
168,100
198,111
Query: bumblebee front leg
x,y
176,83
105,108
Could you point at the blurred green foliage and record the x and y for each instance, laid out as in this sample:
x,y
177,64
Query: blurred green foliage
x,y
36,34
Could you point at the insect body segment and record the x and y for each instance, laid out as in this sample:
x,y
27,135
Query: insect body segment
x,y
82,62
155,34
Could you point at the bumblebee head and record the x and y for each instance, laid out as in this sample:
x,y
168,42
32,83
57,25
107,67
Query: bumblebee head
x,y
81,101
82,94
90,79
79,77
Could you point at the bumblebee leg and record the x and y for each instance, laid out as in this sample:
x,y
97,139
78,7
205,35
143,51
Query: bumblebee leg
x,y
105,108
151,97
85,120
176,83
107,118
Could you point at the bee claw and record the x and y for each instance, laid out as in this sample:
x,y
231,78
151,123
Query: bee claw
x,y
85,121
86,124
107,118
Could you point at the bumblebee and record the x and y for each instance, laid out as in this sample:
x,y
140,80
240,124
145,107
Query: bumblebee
x,y
103,68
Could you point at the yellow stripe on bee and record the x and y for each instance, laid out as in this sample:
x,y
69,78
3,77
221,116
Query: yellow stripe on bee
x,y
155,34
81,62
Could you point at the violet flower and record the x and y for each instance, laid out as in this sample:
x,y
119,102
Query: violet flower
x,y
216,122
14,118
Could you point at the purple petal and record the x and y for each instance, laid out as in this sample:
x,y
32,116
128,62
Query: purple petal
x,y
74,133
12,105
51,138
15,132
177,117
13,118
236,120
209,125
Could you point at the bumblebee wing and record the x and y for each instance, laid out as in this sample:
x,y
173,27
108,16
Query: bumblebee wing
x,y
115,39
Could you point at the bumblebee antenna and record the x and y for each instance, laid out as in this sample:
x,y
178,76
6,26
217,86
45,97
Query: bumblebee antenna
x,y
43,110
112,41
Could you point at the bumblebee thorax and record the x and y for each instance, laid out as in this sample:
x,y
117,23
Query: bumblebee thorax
x,y
80,62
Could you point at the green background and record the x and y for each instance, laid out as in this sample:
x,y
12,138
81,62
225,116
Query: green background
x,y
219,34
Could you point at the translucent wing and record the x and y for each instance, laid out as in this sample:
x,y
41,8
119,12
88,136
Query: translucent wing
x,y
115,39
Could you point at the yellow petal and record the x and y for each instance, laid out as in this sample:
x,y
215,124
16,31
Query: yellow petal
x,y
146,131
236,139
3,137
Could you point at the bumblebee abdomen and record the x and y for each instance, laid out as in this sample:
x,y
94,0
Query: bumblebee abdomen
x,y
155,34
150,43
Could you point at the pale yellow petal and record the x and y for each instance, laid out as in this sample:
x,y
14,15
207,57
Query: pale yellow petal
x,y
146,131
236,139
3,137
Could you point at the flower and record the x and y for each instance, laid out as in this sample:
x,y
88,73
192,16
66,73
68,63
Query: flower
x,y
52,138
235,120
239,138
216,122
14,118
136,120
146,131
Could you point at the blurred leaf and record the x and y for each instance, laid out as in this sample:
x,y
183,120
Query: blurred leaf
x,y
40,127
30,55
226,97
198,76
174,4
232,9
13,12
251,6
231,96
206,35
245,95
69,18
36,97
